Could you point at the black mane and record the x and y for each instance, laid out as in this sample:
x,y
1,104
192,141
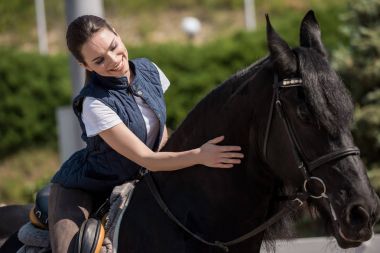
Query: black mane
x,y
326,96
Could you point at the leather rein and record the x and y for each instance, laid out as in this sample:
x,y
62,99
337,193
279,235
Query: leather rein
x,y
294,201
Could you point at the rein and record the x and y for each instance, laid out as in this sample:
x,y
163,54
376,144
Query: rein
x,y
306,167
289,207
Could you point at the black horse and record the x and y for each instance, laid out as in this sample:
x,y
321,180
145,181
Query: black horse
x,y
12,217
291,115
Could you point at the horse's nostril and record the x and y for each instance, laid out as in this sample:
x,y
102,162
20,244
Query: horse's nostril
x,y
357,216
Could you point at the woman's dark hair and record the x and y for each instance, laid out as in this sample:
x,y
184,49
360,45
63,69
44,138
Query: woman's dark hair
x,y
80,30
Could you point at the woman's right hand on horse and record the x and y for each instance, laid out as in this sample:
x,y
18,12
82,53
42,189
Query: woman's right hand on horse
x,y
218,156
126,143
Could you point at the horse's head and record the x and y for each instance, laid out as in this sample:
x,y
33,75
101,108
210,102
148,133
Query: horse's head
x,y
308,143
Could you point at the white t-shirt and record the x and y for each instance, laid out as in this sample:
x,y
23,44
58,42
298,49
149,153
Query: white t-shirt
x,y
98,117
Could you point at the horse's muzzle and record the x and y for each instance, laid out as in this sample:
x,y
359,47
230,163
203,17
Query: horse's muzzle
x,y
355,225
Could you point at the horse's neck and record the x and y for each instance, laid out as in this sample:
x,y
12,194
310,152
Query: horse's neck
x,y
228,112
213,194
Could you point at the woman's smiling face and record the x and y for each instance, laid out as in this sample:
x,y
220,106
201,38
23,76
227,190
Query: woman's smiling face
x,y
105,53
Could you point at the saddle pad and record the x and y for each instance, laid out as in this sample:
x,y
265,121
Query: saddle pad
x,y
120,198
33,236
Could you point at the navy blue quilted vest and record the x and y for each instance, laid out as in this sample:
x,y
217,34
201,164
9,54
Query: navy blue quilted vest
x,y
98,168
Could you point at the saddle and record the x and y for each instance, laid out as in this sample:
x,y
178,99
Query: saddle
x,y
91,233
38,215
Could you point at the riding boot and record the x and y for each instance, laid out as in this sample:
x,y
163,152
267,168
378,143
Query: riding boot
x,y
68,209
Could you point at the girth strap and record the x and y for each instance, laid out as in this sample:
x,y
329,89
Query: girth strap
x,y
286,209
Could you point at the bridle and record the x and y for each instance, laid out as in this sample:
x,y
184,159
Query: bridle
x,y
306,167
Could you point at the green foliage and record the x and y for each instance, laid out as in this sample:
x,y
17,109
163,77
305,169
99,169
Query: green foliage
x,y
359,64
13,14
374,176
131,6
194,71
32,86
367,128
8,10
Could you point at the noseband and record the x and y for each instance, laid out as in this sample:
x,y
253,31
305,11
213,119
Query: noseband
x,y
304,165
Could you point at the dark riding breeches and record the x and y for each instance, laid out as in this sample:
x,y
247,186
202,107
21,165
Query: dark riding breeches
x,y
68,209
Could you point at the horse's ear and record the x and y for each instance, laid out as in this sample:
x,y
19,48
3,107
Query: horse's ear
x,y
310,34
282,55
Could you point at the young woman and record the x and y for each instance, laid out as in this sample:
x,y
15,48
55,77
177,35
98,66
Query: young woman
x,y
122,114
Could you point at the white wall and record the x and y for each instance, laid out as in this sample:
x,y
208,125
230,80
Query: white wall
x,y
324,245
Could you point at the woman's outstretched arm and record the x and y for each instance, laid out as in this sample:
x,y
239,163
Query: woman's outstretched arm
x,y
125,142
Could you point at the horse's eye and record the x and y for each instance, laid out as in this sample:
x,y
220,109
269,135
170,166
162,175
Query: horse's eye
x,y
304,114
